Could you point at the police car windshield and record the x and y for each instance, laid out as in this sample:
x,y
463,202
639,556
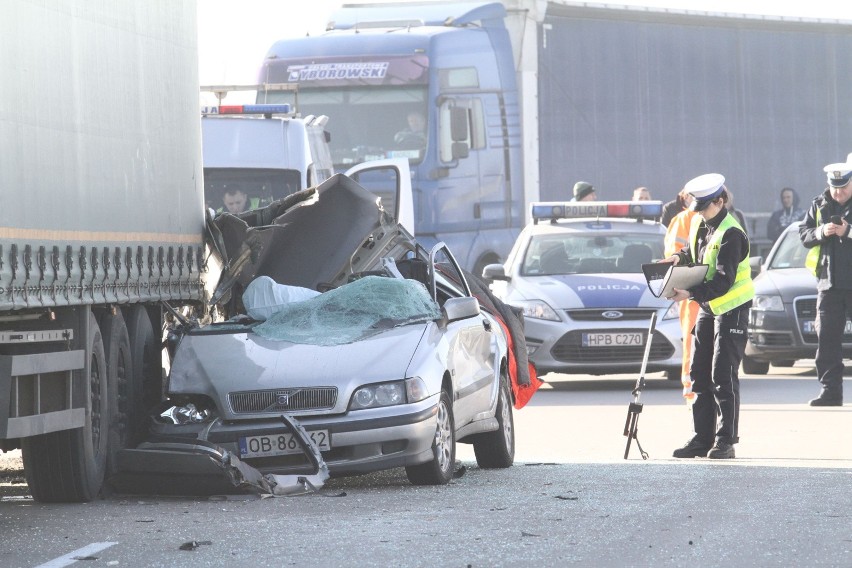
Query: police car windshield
x,y
590,253
791,253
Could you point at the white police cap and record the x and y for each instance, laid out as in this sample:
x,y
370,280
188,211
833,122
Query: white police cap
x,y
705,189
838,174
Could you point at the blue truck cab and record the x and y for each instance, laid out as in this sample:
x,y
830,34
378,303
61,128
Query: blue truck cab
x,y
380,71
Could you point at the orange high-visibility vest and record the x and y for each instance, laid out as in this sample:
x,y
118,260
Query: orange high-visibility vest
x,y
677,235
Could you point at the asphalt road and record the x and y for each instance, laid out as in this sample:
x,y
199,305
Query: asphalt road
x,y
571,498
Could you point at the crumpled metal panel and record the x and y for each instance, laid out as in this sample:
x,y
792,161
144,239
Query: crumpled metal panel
x,y
197,467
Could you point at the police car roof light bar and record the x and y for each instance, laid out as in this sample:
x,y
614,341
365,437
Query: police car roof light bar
x,y
555,210
264,109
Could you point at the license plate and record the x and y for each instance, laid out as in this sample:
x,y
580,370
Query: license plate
x,y
810,327
280,444
612,339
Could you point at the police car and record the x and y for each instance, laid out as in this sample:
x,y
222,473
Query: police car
x,y
576,273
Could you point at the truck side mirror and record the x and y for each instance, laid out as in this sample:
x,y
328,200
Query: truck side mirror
x,y
458,124
460,150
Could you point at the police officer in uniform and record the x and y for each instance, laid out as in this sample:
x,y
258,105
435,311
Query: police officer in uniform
x,y
825,231
724,299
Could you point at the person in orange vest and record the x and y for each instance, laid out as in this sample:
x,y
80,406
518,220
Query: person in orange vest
x,y
677,235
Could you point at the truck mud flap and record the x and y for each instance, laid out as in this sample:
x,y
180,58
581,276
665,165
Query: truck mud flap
x,y
198,467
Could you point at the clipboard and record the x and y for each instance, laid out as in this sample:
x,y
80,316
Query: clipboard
x,y
662,277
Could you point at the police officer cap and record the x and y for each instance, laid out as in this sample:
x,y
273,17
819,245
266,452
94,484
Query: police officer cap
x,y
705,189
838,174
582,189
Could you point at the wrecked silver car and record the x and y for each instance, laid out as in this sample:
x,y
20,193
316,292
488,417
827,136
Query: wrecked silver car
x,y
340,322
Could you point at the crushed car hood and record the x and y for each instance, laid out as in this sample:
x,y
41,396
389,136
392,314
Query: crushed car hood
x,y
218,364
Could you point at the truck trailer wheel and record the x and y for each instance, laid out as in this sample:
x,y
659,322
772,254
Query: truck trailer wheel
x,y
69,466
123,397
147,372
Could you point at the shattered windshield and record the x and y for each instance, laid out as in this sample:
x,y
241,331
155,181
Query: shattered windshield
x,y
589,253
351,312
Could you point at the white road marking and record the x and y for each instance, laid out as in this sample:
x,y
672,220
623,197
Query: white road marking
x,y
71,557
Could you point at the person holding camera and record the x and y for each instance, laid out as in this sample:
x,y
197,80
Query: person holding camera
x,y
825,231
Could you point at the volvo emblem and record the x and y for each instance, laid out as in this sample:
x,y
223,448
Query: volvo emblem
x,y
612,314
283,399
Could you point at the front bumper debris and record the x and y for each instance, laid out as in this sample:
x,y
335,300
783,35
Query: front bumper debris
x,y
202,468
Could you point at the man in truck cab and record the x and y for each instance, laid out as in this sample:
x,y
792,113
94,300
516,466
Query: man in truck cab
x,y
414,135
236,201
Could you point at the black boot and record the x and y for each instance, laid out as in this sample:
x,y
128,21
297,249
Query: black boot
x,y
722,451
694,448
828,398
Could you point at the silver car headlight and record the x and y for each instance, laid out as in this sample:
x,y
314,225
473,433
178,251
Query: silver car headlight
x,y
388,394
536,309
673,312
771,303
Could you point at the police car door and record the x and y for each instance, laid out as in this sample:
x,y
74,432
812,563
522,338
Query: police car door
x,y
391,180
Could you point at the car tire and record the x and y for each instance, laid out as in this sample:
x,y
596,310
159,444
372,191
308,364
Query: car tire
x,y
674,374
438,470
69,466
497,449
754,367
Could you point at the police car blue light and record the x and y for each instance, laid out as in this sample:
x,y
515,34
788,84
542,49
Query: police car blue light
x,y
248,109
575,271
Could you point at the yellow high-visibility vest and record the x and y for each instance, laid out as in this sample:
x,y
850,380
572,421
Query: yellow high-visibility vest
x,y
743,288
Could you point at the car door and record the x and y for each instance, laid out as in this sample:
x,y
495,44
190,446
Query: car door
x,y
391,180
471,359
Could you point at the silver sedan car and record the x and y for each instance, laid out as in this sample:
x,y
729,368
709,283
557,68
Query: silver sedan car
x,y
376,347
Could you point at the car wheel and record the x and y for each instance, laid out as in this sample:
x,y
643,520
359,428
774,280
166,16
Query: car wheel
x,y
753,367
674,374
438,470
497,449
784,363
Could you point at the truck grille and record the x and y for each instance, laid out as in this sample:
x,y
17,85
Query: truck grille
x,y
570,349
282,400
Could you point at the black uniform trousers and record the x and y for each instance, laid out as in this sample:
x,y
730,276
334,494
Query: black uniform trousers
x,y
717,353
834,306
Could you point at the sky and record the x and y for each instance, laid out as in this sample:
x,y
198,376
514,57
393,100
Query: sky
x,y
233,37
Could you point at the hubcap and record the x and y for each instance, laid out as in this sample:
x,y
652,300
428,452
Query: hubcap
x,y
443,438
508,427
